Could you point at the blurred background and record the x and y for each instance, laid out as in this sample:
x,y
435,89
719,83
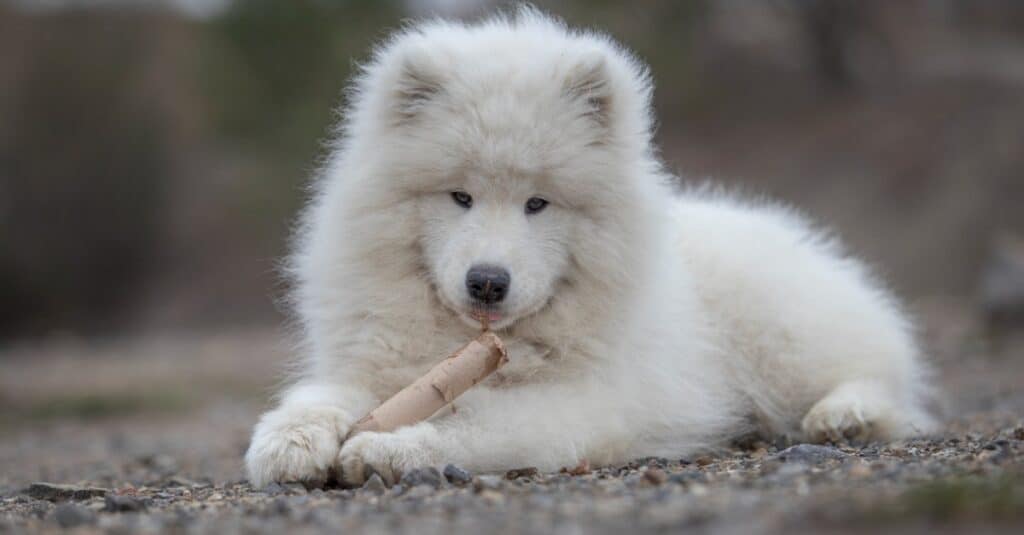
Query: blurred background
x,y
153,155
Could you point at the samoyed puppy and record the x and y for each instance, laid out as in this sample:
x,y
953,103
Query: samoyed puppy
x,y
506,168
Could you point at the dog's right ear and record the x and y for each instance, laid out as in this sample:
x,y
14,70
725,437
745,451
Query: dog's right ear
x,y
419,83
589,83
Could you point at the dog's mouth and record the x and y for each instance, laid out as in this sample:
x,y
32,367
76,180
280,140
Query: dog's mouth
x,y
486,316
483,317
493,318
496,317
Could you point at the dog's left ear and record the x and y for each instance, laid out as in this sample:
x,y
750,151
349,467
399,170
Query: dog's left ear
x,y
419,83
589,83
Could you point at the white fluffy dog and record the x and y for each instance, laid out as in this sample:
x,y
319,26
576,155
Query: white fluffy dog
x,y
506,168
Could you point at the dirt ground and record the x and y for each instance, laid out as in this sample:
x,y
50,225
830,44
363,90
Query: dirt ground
x,y
146,434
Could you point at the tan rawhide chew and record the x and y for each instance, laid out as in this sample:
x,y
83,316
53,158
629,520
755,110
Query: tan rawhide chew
x,y
439,387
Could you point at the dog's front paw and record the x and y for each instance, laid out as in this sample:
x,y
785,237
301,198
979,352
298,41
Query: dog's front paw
x,y
387,454
837,420
298,444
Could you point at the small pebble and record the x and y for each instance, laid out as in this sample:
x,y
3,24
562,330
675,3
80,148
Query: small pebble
x,y
809,453
279,506
123,504
69,515
422,476
456,475
177,481
375,485
655,476
274,489
686,478
521,472
295,488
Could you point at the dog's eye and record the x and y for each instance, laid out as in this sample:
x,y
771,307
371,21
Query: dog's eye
x,y
535,204
462,199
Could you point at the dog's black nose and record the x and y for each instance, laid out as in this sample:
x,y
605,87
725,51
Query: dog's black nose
x,y
487,283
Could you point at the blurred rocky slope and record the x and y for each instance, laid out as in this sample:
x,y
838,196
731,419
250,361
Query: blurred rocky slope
x,y
151,163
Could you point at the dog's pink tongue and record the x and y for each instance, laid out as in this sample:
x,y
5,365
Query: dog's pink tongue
x,y
486,317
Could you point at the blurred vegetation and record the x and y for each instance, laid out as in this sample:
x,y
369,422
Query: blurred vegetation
x,y
151,164
100,143
95,406
998,498
71,249
270,69
992,498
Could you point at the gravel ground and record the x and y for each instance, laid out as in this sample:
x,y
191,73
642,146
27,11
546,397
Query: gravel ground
x,y
149,467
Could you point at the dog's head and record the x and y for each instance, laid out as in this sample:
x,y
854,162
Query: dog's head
x,y
519,152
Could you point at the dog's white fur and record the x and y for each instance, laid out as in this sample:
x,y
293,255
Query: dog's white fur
x,y
640,322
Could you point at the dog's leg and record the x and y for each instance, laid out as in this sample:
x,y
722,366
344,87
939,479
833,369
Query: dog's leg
x,y
299,440
547,427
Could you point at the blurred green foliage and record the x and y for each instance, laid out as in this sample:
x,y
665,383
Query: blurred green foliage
x,y
994,498
271,69
271,75
107,125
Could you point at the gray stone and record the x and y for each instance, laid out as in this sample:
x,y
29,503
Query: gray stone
x,y
279,507
274,489
177,481
422,476
123,504
686,478
809,454
655,476
456,475
56,492
787,471
375,485
295,488
69,515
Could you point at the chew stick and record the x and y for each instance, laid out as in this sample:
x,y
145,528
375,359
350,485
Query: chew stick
x,y
439,387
